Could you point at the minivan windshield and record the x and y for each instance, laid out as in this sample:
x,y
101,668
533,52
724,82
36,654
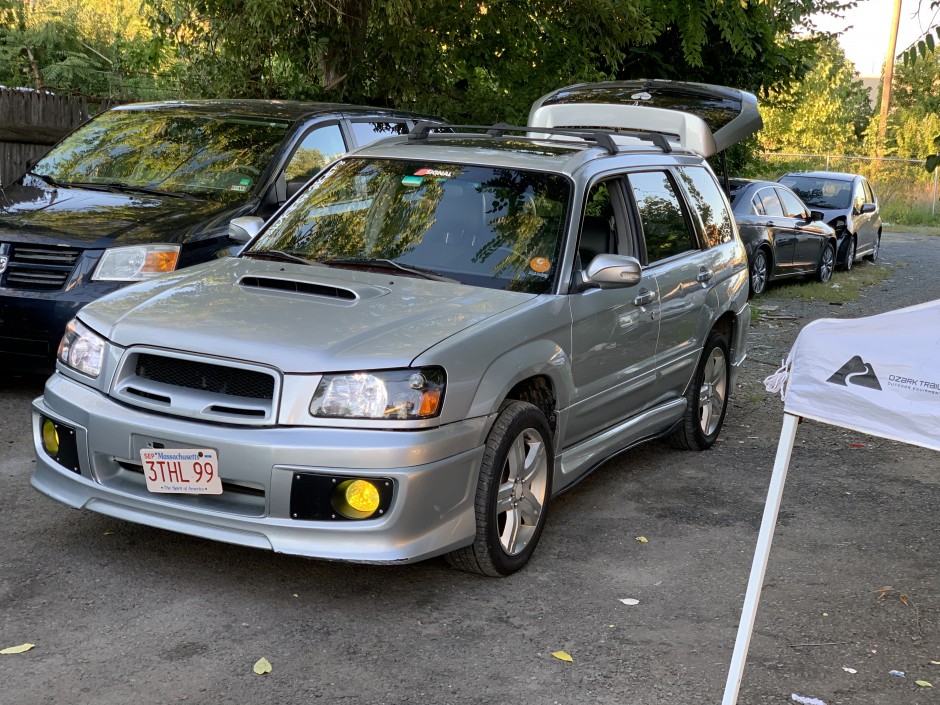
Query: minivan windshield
x,y
826,194
179,150
497,228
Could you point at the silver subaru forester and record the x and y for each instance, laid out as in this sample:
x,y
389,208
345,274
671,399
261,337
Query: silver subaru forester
x,y
433,338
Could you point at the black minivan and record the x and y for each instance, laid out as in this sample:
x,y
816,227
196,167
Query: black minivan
x,y
148,188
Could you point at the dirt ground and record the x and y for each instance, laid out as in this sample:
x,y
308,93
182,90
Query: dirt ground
x,y
122,613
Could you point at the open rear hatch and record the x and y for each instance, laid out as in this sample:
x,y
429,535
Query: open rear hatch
x,y
701,117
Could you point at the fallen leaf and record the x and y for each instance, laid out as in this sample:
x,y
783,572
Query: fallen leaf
x,y
883,592
562,656
858,445
935,663
905,600
924,684
107,533
630,601
849,670
642,539
17,649
262,666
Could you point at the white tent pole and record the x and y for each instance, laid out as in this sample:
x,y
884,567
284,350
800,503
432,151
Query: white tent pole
x,y
761,554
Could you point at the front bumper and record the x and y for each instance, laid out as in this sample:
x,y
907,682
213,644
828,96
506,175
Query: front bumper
x,y
434,474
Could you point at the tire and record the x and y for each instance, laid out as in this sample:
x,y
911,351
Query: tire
x,y
759,272
707,397
512,493
850,250
827,262
876,251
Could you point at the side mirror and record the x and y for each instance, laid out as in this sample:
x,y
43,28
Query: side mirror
x,y
243,229
868,208
610,271
816,215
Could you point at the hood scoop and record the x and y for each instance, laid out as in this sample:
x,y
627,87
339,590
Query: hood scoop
x,y
294,286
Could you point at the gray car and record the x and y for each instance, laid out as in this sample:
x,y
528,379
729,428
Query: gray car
x,y
848,204
437,335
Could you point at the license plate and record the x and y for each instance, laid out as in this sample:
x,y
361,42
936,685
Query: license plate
x,y
181,470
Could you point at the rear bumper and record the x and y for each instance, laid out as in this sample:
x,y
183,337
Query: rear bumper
x,y
434,474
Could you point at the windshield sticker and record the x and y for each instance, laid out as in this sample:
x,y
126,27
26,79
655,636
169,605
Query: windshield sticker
x,y
539,265
411,181
245,182
237,187
435,172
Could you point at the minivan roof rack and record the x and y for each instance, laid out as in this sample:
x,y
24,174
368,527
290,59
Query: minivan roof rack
x,y
602,138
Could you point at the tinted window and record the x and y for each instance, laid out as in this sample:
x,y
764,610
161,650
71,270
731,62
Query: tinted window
x,y
707,199
757,208
368,132
791,204
169,150
869,194
770,204
498,228
318,148
665,229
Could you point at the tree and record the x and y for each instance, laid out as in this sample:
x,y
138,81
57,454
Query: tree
x,y
828,111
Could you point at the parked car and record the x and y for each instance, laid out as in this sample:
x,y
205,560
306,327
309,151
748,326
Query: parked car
x,y
848,203
783,238
437,335
145,189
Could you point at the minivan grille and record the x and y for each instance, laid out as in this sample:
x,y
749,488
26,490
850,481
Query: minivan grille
x,y
204,376
40,267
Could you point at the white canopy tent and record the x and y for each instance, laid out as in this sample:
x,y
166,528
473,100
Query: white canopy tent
x,y
879,375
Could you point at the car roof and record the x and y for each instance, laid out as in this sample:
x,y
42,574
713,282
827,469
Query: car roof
x,y
559,155
283,109
833,175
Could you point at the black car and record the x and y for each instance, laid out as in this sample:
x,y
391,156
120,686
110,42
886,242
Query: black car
x,y
145,189
783,238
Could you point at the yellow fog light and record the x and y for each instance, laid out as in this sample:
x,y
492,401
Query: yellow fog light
x,y
356,499
50,438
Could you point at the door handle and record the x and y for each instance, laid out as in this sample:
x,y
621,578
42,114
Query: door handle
x,y
643,298
704,275
769,224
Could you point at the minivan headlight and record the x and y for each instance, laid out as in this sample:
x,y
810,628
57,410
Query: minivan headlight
x,y
382,394
136,263
81,349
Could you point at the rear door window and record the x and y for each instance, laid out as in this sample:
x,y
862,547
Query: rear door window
x,y
666,230
706,198
770,202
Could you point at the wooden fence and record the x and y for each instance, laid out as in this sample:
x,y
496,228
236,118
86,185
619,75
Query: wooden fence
x,y
30,123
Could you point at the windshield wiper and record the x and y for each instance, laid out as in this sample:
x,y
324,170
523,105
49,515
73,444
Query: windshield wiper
x,y
48,179
127,188
388,264
280,255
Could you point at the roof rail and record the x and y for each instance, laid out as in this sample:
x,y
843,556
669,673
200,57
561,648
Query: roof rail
x,y
602,138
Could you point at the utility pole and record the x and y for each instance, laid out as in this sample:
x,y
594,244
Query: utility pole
x,y
888,77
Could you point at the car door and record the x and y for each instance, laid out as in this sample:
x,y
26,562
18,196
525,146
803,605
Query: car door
x,y
866,223
780,229
683,270
614,331
806,235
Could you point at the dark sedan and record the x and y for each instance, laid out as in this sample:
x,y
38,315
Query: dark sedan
x,y
782,236
145,189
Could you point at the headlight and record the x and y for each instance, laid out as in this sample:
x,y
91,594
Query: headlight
x,y
81,349
384,394
134,264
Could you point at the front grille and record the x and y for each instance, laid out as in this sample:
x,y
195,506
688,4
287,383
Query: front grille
x,y
40,267
206,377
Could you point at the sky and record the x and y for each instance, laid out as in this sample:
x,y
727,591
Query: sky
x,y
866,41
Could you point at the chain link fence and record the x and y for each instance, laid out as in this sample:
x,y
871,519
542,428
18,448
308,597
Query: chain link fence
x,y
908,193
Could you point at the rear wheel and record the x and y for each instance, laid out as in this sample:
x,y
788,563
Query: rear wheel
x,y
512,493
707,397
759,272
827,262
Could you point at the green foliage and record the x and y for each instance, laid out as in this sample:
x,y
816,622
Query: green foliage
x,y
827,112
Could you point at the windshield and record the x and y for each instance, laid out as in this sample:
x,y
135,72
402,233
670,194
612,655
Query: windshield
x,y
177,151
827,194
498,228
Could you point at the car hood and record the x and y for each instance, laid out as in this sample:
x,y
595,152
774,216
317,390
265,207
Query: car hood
x,y
86,218
300,319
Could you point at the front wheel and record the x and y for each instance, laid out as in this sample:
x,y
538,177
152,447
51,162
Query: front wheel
x,y
759,273
827,262
512,493
850,249
707,397
876,251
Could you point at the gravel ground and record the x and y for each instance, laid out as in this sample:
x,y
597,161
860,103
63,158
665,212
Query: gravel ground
x,y
124,613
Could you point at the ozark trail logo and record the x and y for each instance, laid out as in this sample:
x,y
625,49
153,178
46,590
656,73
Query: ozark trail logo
x,y
4,261
856,371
